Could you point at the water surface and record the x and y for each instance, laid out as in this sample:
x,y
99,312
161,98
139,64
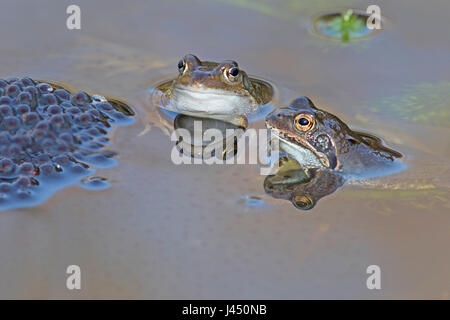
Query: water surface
x,y
167,231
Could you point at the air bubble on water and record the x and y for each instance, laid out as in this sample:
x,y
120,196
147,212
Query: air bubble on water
x,y
252,201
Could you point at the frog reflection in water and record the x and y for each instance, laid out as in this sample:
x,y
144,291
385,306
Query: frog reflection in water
x,y
206,138
302,187
328,153
215,88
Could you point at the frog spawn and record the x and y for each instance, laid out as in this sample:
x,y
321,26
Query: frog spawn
x,y
50,138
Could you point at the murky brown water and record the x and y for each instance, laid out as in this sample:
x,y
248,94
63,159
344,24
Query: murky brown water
x,y
166,231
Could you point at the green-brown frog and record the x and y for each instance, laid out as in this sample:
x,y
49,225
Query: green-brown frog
x,y
214,89
318,139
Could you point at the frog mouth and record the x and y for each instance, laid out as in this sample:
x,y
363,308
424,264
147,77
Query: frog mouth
x,y
210,100
201,90
303,151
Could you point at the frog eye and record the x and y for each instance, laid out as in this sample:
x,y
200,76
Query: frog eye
x,y
181,65
303,202
304,122
232,73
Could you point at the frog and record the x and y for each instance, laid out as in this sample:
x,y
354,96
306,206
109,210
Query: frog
x,y
319,139
303,187
321,153
214,88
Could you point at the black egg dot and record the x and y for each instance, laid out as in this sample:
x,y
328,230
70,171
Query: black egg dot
x,y
42,125
46,168
19,84
94,113
23,194
5,110
44,88
32,90
30,118
22,140
12,91
54,109
48,99
84,119
5,187
57,120
181,64
26,168
105,106
66,137
119,116
24,182
5,100
43,158
73,110
38,135
11,123
24,97
6,165
93,132
47,143
27,82
13,150
61,160
84,137
4,138
80,98
62,94
66,105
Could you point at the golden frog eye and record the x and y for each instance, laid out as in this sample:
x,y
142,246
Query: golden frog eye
x,y
304,122
302,202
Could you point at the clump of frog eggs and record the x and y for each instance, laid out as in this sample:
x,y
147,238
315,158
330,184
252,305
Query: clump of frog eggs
x,y
49,138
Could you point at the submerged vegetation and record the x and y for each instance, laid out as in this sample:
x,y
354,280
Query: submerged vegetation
x,y
343,26
419,103
348,23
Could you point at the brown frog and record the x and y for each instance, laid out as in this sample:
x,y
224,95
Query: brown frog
x,y
214,88
318,139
